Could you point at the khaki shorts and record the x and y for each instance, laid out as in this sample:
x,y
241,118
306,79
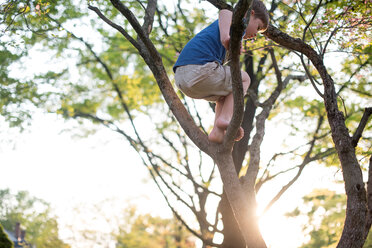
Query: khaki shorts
x,y
210,81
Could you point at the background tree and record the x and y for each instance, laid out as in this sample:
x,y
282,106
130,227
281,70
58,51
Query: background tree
x,y
325,211
4,239
35,216
108,223
146,230
110,94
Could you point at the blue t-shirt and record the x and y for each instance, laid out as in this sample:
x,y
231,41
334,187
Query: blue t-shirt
x,y
205,47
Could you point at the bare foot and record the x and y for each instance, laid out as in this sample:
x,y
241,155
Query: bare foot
x,y
240,134
216,135
219,130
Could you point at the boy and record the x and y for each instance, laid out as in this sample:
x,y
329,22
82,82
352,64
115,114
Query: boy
x,y
200,73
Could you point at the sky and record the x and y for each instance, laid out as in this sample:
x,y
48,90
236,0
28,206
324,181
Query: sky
x,y
58,162
71,172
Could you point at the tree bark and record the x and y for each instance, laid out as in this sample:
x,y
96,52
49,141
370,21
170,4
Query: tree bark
x,y
232,237
369,200
243,205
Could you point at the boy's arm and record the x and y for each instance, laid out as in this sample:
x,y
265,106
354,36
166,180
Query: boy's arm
x,y
224,23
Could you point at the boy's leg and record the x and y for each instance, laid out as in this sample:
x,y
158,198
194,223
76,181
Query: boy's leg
x,y
225,112
222,122
216,135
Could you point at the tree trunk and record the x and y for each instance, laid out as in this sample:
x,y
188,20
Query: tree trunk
x,y
232,235
356,210
243,205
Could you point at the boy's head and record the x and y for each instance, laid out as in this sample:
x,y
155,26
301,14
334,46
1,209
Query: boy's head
x,y
258,21
260,12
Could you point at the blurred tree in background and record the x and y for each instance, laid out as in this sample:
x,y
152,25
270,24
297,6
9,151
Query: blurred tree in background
x,y
148,231
34,215
325,211
4,239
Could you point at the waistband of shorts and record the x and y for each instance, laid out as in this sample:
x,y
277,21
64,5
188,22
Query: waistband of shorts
x,y
184,66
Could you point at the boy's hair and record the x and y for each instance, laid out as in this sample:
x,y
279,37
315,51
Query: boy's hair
x,y
261,12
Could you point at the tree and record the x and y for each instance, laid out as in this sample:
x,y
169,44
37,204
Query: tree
x,y
148,231
99,224
330,208
115,95
35,216
4,239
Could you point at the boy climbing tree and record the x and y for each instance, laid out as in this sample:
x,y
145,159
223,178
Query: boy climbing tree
x,y
201,71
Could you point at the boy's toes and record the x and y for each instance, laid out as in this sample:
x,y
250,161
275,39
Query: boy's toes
x,y
240,134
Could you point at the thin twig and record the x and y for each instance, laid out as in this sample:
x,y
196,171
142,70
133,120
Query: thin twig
x,y
310,77
114,25
308,25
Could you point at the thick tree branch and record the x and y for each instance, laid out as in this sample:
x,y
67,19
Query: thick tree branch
x,y
241,147
237,29
220,4
149,16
